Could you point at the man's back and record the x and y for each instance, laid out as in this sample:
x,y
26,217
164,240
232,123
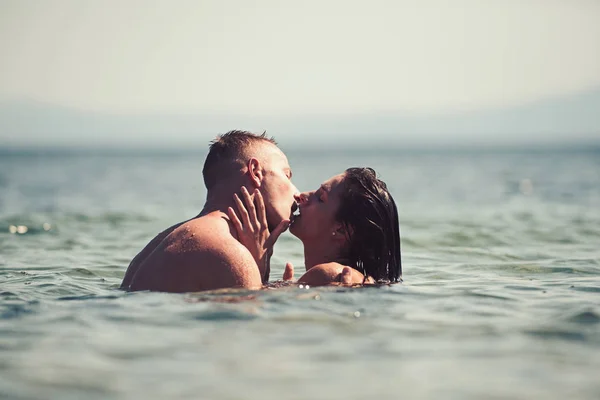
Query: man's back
x,y
198,254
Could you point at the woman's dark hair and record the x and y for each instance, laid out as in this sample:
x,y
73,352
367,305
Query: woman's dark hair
x,y
369,214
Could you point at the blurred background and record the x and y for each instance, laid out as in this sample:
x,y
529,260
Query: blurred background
x,y
432,73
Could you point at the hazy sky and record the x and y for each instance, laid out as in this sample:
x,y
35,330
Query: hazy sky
x,y
297,56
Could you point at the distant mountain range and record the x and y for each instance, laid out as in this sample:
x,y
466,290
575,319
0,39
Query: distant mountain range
x,y
572,120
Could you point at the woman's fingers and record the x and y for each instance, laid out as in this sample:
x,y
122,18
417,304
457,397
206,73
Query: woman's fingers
x,y
288,273
283,225
242,210
260,208
250,207
235,220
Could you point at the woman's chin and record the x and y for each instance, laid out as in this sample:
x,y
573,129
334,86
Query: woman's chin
x,y
295,228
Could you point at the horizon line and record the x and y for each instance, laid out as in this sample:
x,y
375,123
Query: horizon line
x,y
25,100
589,147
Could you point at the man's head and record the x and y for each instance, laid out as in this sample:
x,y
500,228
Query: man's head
x,y
260,163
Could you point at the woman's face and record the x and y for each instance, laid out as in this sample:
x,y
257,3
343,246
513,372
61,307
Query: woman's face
x,y
317,209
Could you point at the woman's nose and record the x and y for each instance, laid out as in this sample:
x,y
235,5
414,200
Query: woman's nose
x,y
301,197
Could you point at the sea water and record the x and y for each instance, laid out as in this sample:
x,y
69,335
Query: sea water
x,y
501,292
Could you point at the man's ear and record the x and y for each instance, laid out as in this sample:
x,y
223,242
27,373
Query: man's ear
x,y
255,172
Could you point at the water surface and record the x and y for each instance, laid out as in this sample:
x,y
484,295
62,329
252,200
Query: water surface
x,y
501,296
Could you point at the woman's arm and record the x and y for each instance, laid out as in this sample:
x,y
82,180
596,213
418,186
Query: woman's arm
x,y
331,274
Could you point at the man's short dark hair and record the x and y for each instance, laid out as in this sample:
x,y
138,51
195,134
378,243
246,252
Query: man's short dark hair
x,y
227,153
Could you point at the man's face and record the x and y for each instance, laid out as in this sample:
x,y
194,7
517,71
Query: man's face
x,y
277,187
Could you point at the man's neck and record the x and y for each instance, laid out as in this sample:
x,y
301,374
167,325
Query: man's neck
x,y
220,199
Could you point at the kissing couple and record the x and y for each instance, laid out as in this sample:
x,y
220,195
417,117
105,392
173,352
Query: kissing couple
x,y
348,226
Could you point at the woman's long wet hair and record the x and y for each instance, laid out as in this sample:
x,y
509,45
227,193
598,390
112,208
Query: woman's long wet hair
x,y
368,212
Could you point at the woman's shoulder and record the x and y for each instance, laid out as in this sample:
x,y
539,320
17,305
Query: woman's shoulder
x,y
330,274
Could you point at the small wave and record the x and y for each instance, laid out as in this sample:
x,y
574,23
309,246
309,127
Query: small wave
x,y
34,223
223,314
524,288
588,317
589,289
17,310
490,296
473,238
113,218
88,297
79,271
542,267
6,295
555,333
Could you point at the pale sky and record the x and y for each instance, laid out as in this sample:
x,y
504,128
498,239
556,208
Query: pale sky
x,y
297,56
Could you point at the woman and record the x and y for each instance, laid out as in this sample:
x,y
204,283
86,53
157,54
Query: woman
x,y
348,226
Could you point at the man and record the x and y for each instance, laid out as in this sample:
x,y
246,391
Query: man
x,y
203,253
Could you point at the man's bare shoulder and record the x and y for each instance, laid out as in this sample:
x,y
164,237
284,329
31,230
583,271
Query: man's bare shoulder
x,y
207,233
200,254
145,253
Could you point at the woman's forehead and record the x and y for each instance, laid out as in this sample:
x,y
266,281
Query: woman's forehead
x,y
333,181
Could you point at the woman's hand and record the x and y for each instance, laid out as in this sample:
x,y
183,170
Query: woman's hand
x,y
288,273
253,231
